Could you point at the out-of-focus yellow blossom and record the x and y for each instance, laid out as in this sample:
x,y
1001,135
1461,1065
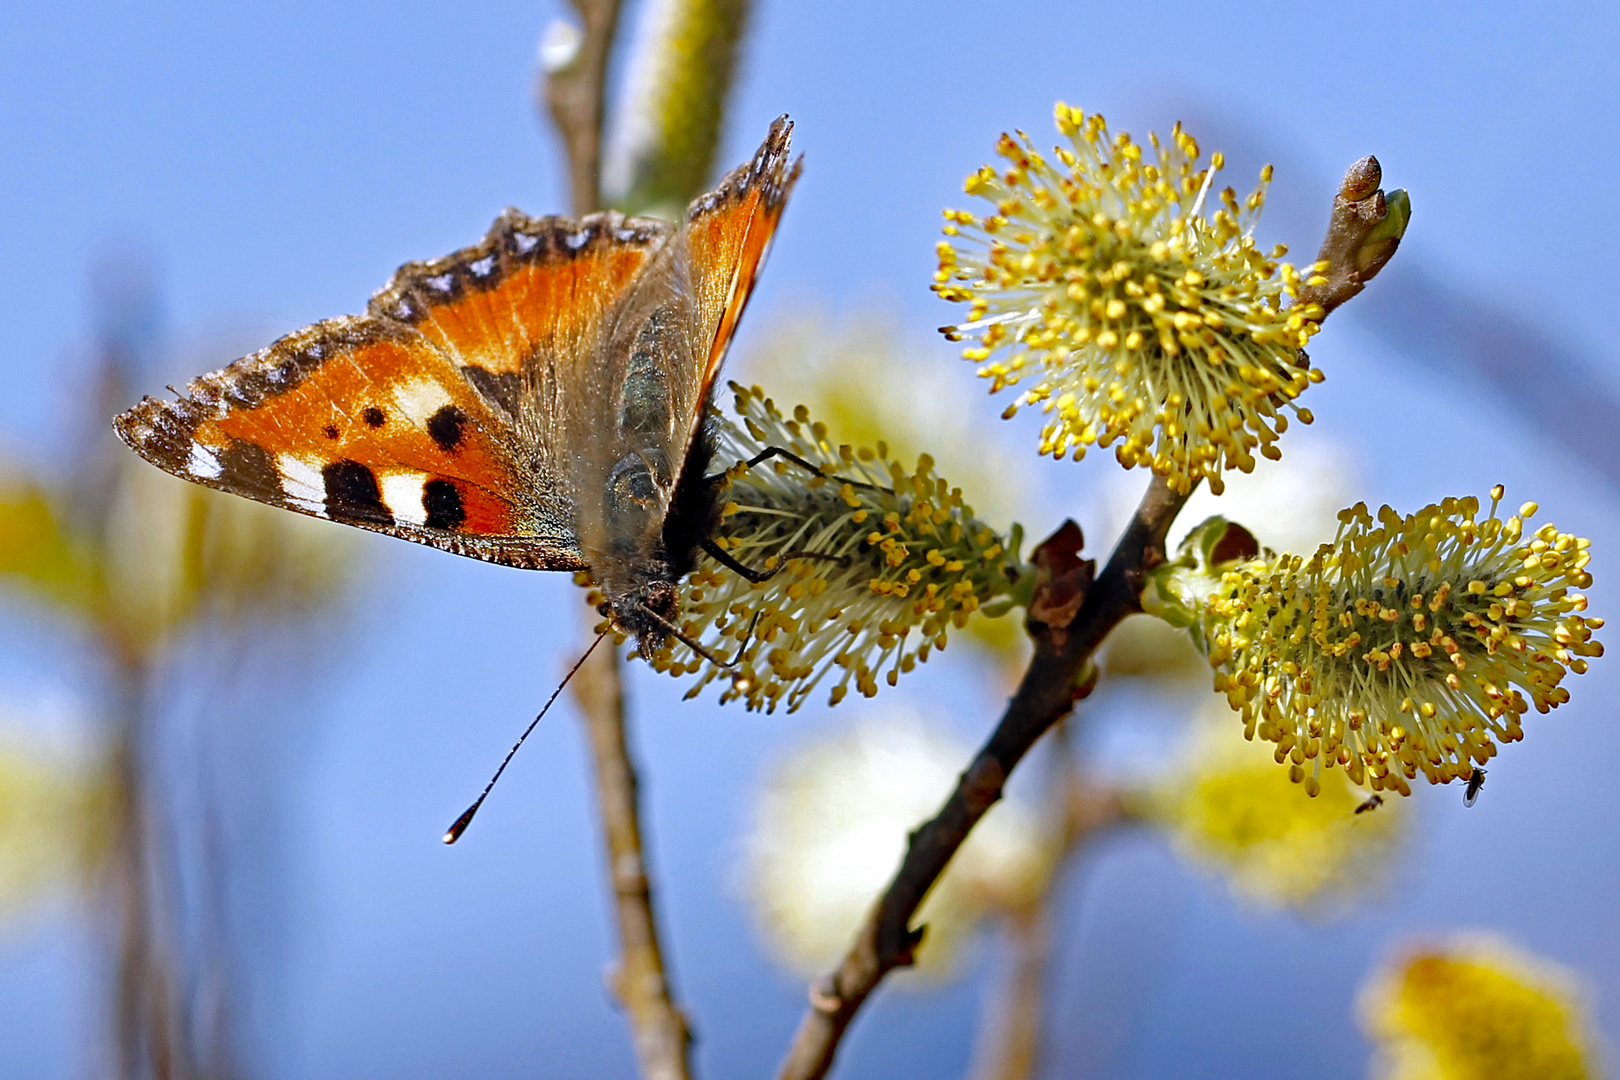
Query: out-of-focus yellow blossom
x,y
181,548
1477,1009
170,551
1406,646
861,377
830,828
1141,321
878,564
56,821
1229,808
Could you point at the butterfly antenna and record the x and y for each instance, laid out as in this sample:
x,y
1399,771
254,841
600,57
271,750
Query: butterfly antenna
x,y
454,832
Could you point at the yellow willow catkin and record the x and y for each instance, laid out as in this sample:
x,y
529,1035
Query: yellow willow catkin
x,y
1140,321
1409,646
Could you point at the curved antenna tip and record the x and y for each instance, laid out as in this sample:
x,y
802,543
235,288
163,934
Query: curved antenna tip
x,y
454,832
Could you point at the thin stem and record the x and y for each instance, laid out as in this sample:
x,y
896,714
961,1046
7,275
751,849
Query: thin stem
x,y
151,1018
1014,1016
640,981
1051,685
574,93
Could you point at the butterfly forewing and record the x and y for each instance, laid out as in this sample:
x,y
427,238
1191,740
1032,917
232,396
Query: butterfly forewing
x,y
532,400
727,235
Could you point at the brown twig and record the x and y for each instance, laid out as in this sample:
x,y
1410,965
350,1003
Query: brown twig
x,y
574,92
1358,242
639,982
1053,682
1067,622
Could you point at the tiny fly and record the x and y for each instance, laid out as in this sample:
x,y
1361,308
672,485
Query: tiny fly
x,y
1476,780
1373,802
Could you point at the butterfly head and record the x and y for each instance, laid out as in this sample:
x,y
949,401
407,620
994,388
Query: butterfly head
x,y
647,611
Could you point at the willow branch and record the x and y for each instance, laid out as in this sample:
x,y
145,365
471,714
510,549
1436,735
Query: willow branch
x,y
574,91
1067,622
640,982
1055,680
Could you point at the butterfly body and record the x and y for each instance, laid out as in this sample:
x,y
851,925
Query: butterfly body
x,y
535,400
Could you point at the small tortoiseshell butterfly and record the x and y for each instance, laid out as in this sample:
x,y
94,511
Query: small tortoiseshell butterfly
x,y
537,400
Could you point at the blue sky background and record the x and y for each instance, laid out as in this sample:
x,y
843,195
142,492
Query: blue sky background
x,y
277,160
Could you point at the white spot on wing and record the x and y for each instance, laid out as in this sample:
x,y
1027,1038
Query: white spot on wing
x,y
419,399
402,494
203,464
301,482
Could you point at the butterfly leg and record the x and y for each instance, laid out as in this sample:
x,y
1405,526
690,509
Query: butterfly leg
x,y
720,556
782,452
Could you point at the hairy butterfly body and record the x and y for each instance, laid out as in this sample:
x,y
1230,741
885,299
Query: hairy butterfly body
x,y
537,400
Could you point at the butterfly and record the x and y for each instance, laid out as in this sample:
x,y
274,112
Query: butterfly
x,y
537,400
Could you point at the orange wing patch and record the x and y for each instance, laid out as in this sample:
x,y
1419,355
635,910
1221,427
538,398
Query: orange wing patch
x,y
728,232
365,422
532,284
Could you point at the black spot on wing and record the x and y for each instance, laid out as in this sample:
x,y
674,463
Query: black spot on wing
x,y
352,494
442,501
248,469
374,417
446,426
500,390
330,431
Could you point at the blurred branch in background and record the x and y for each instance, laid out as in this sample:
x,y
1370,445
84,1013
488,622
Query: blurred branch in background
x,y
669,129
692,57
1435,320
1531,374
573,80
146,565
